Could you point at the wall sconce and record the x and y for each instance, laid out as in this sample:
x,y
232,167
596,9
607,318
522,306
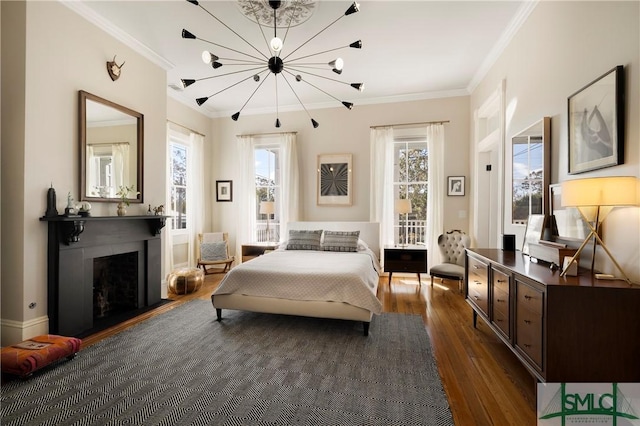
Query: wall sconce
x,y
595,198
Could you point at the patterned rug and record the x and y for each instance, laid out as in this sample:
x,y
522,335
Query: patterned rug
x,y
185,368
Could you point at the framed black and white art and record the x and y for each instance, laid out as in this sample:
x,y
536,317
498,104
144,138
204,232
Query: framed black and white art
x,y
335,180
596,123
455,185
224,190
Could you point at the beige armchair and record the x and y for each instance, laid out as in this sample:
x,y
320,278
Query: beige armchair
x,y
452,245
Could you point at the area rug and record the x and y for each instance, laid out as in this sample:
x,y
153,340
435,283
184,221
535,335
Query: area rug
x,y
183,367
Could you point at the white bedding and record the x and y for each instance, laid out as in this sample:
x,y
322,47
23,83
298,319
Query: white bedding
x,y
350,278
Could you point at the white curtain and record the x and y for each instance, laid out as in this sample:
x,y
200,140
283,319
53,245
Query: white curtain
x,y
92,172
381,178
245,193
435,201
168,239
290,196
195,194
121,165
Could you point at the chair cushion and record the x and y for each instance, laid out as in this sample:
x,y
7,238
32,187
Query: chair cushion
x,y
213,251
447,270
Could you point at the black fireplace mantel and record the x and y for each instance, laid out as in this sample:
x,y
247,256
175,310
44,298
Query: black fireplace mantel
x,y
73,244
72,226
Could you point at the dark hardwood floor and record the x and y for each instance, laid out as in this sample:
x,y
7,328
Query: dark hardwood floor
x,y
484,381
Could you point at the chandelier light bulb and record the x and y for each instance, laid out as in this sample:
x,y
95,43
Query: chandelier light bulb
x,y
276,44
337,64
208,57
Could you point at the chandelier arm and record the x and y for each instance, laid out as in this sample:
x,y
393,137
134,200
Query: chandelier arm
x,y
314,36
229,48
255,15
321,76
243,63
286,33
313,85
254,92
232,30
295,94
231,73
235,84
318,53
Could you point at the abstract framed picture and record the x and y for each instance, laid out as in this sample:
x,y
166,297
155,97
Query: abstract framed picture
x,y
455,185
335,180
533,233
224,190
596,123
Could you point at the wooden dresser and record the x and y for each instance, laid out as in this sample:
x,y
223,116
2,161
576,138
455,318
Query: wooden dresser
x,y
563,329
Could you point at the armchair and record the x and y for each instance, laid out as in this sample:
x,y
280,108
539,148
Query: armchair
x,y
452,245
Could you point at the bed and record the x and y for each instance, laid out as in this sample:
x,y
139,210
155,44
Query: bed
x,y
312,283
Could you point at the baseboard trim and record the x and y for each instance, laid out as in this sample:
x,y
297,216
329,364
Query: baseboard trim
x,y
17,331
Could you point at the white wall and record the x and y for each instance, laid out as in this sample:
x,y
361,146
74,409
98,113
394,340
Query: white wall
x,y
562,47
343,131
58,53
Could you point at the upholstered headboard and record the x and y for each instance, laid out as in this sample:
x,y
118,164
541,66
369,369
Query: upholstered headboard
x,y
369,231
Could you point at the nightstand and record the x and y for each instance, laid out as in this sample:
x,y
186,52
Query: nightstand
x,y
405,259
252,250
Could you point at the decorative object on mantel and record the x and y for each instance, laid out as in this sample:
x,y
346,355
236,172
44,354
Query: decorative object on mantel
x,y
595,198
272,63
158,211
70,210
123,193
84,209
114,69
52,211
596,123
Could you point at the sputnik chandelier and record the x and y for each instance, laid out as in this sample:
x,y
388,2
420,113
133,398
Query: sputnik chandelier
x,y
261,67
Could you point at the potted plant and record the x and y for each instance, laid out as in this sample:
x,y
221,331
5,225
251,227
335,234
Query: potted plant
x,y
123,193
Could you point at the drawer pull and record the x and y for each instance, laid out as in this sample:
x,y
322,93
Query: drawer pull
x,y
500,300
476,297
527,297
526,345
527,321
476,267
499,319
478,282
502,281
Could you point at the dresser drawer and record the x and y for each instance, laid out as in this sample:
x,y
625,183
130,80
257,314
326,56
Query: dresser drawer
x,y
500,301
529,298
529,334
501,320
478,271
405,260
405,266
500,281
479,295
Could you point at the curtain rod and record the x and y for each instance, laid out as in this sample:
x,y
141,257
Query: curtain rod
x,y
410,124
268,134
187,128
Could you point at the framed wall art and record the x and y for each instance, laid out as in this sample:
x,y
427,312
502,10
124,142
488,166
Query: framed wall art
x,y
596,123
335,180
533,233
455,185
224,190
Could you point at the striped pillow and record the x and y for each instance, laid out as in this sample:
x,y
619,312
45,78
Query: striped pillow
x,y
340,241
304,240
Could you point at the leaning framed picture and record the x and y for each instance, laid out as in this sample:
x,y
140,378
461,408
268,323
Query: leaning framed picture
x,y
455,185
596,123
533,233
335,180
224,190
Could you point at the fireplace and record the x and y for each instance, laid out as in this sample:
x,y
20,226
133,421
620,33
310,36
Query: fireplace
x,y
101,270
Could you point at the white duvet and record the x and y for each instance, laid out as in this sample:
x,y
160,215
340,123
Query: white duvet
x,y
308,275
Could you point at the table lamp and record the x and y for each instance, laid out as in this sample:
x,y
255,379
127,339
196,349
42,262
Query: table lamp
x,y
403,206
268,208
595,198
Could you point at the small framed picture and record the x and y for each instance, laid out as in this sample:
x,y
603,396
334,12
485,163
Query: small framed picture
x,y
455,185
533,233
334,180
224,190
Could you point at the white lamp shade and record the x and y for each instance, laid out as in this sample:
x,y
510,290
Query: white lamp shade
x,y
403,206
601,191
267,207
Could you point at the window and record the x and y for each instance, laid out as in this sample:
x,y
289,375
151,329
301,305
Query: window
x,y
268,188
178,179
411,166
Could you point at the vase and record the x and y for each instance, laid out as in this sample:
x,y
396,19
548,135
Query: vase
x,y
122,209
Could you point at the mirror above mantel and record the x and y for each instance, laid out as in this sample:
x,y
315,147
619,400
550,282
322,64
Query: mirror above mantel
x,y
111,149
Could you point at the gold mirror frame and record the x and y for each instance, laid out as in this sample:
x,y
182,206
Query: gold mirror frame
x,y
117,120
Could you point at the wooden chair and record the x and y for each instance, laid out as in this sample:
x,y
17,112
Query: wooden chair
x,y
220,255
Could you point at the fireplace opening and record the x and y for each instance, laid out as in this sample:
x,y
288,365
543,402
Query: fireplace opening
x,y
115,285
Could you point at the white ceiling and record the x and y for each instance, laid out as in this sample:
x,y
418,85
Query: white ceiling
x,y
411,49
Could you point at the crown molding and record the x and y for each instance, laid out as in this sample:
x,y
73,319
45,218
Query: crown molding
x,y
505,38
116,32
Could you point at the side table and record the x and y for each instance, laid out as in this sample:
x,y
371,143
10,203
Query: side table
x,y
405,259
252,250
